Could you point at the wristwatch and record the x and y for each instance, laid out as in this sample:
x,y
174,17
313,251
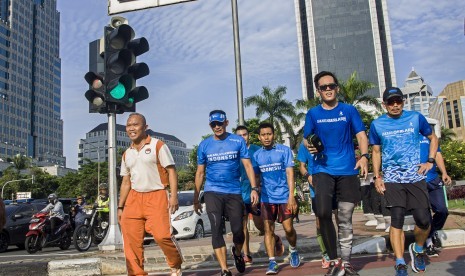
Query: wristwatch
x,y
255,189
431,160
366,155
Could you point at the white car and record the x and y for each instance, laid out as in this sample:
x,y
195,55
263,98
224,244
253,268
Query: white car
x,y
187,223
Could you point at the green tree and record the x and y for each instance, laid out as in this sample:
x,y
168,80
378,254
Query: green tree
x,y
297,121
454,158
20,162
252,124
276,109
447,135
353,91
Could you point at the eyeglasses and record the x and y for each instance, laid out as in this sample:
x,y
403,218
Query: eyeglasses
x,y
325,87
396,100
215,123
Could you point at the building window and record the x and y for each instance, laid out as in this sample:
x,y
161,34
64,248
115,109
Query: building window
x,y
456,113
449,115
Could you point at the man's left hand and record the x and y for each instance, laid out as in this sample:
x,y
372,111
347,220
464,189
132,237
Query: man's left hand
x,y
292,204
424,168
446,179
254,198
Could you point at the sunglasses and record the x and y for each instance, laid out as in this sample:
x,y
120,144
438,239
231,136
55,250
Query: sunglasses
x,y
214,124
393,101
325,87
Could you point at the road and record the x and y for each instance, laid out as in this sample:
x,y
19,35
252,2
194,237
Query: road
x,y
20,263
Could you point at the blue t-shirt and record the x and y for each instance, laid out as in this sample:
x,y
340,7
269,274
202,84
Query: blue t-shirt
x,y
336,129
272,164
245,182
400,144
221,159
424,155
304,156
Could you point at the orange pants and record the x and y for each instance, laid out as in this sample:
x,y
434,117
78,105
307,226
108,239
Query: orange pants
x,y
147,212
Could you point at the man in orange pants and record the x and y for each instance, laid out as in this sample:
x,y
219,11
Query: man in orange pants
x,y
145,205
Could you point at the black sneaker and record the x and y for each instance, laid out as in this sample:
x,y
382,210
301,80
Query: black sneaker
x,y
436,241
349,269
401,270
431,251
238,260
335,269
226,273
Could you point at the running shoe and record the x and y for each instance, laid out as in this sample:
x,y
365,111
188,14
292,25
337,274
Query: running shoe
x,y
401,270
238,260
431,251
436,241
272,268
226,273
349,269
418,259
279,246
325,261
335,269
247,259
294,259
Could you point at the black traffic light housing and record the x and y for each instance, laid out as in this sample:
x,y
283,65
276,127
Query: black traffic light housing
x,y
96,93
121,69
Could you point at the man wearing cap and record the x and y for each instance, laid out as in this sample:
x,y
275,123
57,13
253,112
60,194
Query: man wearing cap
x,y
395,137
335,169
220,155
79,212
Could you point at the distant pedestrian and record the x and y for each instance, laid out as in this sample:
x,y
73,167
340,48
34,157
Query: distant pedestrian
x,y
335,169
275,164
437,196
79,212
218,159
147,168
395,137
2,214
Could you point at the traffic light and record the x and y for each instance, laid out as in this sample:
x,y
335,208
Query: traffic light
x,y
121,69
96,94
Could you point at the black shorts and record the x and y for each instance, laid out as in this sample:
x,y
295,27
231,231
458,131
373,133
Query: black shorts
x,y
346,188
249,209
407,195
275,212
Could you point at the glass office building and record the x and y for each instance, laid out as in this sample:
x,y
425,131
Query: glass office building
x,y
30,81
343,37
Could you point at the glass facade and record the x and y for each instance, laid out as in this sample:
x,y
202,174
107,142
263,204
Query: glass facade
x,y
30,77
346,41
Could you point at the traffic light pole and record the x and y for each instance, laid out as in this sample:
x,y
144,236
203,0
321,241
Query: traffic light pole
x,y
113,240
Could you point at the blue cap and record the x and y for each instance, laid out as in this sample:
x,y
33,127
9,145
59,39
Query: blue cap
x,y
392,92
217,117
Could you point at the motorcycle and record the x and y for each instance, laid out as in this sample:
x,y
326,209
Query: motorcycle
x,y
39,231
93,230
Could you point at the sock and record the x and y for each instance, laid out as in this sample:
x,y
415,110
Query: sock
x,y
319,238
429,242
418,249
400,261
271,259
292,249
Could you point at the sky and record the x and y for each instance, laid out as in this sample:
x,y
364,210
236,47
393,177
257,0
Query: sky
x,y
191,58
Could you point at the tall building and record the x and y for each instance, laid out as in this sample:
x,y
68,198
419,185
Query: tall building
x,y
449,108
30,81
418,94
343,37
94,147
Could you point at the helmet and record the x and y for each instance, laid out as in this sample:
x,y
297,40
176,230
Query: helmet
x,y
52,198
103,186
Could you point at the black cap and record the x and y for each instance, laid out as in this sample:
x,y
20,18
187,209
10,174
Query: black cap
x,y
391,92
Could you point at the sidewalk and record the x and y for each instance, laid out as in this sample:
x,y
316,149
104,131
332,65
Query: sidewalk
x,y
199,254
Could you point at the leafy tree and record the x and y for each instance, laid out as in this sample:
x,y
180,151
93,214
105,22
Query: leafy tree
x,y
353,91
252,124
20,162
447,135
454,158
298,121
271,104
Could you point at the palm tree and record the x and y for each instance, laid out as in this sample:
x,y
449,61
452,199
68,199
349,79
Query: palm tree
x,y
271,103
297,121
447,135
20,162
353,91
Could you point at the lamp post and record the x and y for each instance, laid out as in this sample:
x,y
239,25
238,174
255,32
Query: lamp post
x,y
11,181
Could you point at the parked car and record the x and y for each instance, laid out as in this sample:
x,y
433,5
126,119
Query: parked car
x,y
186,222
18,217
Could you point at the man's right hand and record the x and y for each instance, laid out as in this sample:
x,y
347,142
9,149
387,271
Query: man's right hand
x,y
310,147
120,212
197,207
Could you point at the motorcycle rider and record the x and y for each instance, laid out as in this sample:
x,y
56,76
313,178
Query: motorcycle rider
x,y
103,201
57,214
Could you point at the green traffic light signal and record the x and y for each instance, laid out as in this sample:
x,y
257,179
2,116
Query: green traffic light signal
x,y
118,92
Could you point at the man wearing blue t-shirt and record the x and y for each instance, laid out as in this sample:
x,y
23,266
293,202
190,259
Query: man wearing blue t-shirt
x,y
437,196
396,137
275,164
218,159
335,169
